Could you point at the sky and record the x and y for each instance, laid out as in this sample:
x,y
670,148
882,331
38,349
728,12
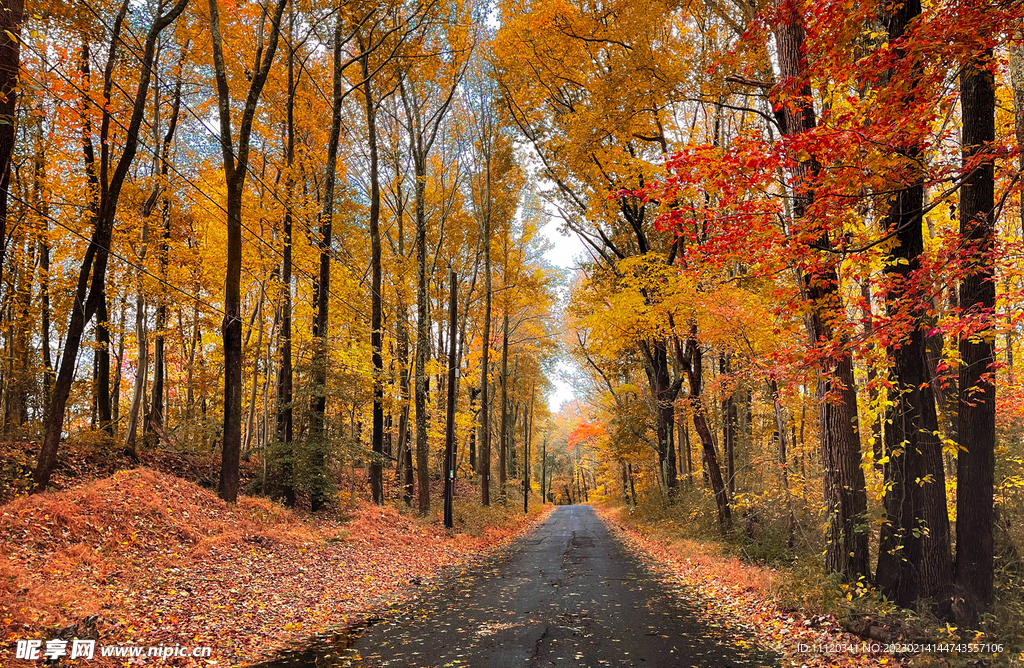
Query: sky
x,y
563,253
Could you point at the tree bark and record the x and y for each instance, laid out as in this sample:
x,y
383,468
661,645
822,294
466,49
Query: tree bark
x,y
843,480
236,164
376,335
976,424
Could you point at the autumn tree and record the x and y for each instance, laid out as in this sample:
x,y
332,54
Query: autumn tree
x,y
91,284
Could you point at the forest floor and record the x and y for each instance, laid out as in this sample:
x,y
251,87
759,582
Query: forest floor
x,y
163,562
743,596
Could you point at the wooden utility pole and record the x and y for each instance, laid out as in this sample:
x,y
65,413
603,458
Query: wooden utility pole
x,y
544,470
503,450
526,452
449,435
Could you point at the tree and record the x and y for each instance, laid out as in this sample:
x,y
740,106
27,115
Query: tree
x,y
976,432
91,284
10,63
423,124
845,495
914,557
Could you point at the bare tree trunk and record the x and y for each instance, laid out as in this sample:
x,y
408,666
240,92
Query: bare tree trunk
x,y
235,165
376,335
977,407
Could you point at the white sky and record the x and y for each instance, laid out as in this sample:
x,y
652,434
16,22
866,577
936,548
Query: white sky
x,y
563,253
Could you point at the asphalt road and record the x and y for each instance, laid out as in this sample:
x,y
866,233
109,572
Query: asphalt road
x,y
566,594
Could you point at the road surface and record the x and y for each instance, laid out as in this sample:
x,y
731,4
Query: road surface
x,y
566,594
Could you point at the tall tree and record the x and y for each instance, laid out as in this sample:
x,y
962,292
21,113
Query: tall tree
x,y
322,284
236,165
976,431
91,285
376,335
914,555
845,494
423,124
157,419
285,376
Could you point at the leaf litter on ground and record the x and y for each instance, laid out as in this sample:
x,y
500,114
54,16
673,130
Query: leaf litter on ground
x,y
164,562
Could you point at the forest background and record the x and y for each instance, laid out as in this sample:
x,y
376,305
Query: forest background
x,y
233,230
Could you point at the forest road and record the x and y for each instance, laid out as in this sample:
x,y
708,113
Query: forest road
x,y
566,594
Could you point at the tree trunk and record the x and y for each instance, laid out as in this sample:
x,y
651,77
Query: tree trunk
x,y
422,342
92,274
503,434
376,335
156,414
322,291
977,406
843,480
665,392
141,366
10,68
103,415
484,469
729,428
285,423
528,432
449,432
914,554
695,372
235,165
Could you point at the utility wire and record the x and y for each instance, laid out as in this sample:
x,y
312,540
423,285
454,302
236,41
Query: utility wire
x,y
191,183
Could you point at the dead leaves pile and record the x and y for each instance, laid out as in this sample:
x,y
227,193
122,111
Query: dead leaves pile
x,y
738,596
165,562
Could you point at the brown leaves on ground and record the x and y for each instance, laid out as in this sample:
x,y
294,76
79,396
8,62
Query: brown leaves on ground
x,y
739,595
164,562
